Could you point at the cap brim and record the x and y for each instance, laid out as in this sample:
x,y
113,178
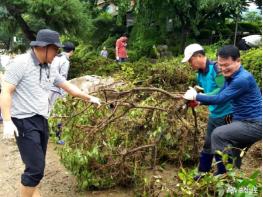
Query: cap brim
x,y
38,43
43,44
185,59
59,45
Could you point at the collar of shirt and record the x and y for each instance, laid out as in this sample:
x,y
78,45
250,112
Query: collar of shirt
x,y
208,62
34,57
65,54
36,61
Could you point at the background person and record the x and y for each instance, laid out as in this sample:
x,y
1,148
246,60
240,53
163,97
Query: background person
x,y
121,49
62,64
104,52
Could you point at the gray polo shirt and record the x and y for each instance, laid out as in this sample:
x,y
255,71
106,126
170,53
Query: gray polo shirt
x,y
32,91
61,63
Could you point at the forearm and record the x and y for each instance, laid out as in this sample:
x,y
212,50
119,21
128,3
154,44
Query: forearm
x,y
74,91
233,91
117,52
6,102
208,99
220,98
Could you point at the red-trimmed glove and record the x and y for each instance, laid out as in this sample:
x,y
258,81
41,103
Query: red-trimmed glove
x,y
192,104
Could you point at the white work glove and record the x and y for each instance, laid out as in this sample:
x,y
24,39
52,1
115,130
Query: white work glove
x,y
9,130
190,94
117,58
94,100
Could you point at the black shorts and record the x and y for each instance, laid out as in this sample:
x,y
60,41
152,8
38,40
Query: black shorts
x,y
32,145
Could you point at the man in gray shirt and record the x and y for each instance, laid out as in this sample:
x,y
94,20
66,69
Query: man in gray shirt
x,y
62,64
24,104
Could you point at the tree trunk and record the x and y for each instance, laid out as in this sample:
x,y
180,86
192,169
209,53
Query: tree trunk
x,y
184,35
236,28
30,35
8,44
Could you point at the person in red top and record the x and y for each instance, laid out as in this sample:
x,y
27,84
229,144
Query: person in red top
x,y
121,51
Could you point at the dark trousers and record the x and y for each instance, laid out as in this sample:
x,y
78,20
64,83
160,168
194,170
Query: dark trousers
x,y
122,59
211,125
235,136
32,145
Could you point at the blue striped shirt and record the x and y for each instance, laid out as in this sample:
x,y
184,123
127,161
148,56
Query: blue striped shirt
x,y
242,90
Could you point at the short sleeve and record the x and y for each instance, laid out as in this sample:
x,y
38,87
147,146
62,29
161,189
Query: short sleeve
x,y
59,79
14,72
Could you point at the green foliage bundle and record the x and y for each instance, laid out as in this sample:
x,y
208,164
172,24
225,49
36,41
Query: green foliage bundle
x,y
114,146
132,132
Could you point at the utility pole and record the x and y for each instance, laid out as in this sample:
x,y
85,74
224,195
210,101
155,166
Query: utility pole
x,y
236,26
235,38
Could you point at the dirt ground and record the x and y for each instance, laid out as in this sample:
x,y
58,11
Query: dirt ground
x,y
58,182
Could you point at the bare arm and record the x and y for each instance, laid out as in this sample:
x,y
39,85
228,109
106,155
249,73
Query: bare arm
x,y
6,100
117,52
116,48
74,90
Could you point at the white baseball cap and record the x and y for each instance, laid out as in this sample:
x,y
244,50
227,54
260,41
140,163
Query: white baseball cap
x,y
190,50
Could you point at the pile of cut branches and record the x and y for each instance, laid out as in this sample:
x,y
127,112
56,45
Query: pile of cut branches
x,y
135,129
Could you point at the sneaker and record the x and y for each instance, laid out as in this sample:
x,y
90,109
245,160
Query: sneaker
x,y
61,142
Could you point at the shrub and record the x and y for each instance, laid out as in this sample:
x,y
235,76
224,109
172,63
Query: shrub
x,y
86,61
252,61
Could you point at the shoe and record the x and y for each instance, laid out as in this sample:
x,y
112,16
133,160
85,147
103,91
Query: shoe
x,y
61,142
221,169
205,163
198,177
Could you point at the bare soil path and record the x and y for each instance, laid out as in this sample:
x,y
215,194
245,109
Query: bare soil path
x,y
58,182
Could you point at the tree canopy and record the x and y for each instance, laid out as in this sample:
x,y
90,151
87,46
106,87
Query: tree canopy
x,y
170,22
70,17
